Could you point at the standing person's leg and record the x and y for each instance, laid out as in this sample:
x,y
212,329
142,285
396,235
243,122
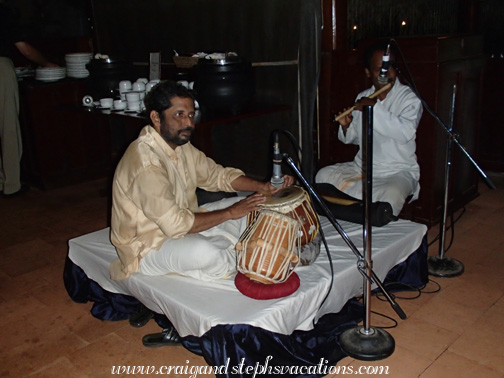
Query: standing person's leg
x,y
10,130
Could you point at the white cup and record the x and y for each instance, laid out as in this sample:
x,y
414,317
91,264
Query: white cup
x,y
119,104
149,86
132,96
142,80
134,105
138,86
106,102
124,86
184,83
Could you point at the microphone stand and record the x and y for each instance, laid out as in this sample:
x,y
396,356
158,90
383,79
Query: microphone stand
x,y
442,266
364,343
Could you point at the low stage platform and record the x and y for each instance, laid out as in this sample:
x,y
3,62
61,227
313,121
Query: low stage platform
x,y
225,326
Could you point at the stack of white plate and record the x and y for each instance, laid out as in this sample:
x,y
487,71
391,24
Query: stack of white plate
x,y
50,73
24,72
76,64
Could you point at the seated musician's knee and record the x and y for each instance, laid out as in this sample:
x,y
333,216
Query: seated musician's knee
x,y
211,256
323,174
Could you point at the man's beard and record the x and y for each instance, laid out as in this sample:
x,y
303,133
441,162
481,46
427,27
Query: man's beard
x,y
176,139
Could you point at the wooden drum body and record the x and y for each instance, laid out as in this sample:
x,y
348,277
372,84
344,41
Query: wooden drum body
x,y
268,250
293,201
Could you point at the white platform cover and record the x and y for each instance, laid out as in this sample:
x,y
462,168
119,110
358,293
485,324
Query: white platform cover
x,y
195,306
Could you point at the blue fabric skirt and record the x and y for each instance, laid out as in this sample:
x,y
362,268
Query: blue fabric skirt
x,y
230,348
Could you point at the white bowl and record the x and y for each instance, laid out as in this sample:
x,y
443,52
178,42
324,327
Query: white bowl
x,y
133,105
125,85
119,104
138,86
132,96
106,102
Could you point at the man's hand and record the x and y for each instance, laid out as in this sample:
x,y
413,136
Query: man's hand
x,y
346,120
248,184
269,189
246,205
364,101
205,220
288,181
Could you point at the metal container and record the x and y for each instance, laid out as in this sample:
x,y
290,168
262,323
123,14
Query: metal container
x,y
105,75
224,85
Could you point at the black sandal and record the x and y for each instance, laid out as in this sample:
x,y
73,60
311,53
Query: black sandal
x,y
141,318
169,336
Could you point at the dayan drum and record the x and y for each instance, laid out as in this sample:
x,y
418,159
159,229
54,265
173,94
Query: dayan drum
x,y
269,249
295,202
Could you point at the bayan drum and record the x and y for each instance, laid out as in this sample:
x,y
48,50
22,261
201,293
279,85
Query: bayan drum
x,y
268,250
293,201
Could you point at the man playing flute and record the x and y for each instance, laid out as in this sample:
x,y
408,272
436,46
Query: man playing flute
x,y
397,112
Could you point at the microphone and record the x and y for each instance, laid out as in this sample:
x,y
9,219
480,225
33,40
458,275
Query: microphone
x,y
382,77
277,179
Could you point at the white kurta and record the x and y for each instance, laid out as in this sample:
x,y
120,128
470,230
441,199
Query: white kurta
x,y
395,168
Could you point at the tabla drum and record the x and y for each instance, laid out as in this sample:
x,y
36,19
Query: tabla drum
x,y
269,248
295,202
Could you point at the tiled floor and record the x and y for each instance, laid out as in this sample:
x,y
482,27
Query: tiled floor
x,y
456,332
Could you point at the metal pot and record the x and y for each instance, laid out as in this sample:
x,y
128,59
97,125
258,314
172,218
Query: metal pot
x,y
105,75
225,85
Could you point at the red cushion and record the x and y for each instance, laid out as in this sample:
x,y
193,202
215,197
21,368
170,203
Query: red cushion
x,y
257,290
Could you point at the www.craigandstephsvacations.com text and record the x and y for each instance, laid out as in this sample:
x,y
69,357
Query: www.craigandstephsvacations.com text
x,y
266,368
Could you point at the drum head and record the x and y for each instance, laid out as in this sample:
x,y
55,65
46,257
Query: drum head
x,y
285,196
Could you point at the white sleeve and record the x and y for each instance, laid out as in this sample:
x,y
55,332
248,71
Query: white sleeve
x,y
400,124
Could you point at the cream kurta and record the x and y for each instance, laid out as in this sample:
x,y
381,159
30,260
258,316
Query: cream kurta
x,y
154,196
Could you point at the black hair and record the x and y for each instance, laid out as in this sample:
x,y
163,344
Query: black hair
x,y
378,46
159,97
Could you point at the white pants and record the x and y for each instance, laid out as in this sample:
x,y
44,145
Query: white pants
x,y
394,188
206,255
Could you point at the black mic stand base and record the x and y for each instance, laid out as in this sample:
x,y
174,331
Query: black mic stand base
x,y
444,266
368,345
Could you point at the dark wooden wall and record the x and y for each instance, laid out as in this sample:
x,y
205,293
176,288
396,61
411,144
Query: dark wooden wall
x,y
259,30
269,31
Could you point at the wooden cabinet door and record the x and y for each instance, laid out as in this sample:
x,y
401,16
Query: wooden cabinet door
x,y
61,145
